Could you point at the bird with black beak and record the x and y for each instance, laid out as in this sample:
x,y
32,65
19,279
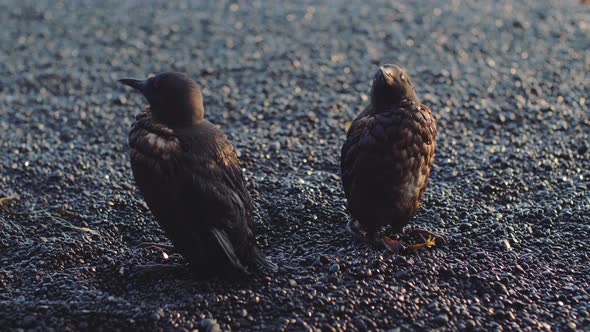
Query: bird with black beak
x,y
190,177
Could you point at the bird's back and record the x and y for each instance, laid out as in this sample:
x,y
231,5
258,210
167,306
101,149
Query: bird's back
x,y
192,182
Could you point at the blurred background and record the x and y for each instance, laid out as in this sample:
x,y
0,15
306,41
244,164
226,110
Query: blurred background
x,y
508,84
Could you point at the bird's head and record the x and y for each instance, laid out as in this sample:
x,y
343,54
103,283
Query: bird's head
x,y
391,84
174,98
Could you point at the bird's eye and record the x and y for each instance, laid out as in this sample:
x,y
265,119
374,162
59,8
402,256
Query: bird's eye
x,y
403,78
155,83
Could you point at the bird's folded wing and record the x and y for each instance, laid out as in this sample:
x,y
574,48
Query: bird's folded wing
x,y
220,191
350,149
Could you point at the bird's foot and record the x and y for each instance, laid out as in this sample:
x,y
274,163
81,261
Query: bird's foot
x,y
355,230
152,269
426,234
429,242
394,245
399,246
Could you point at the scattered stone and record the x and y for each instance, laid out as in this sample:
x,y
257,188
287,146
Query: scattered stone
x,y
209,325
441,320
334,268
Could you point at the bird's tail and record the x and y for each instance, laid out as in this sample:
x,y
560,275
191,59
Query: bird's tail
x,y
257,257
227,248
262,261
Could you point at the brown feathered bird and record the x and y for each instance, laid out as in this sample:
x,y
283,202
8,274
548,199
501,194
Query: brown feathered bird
x,y
190,177
386,159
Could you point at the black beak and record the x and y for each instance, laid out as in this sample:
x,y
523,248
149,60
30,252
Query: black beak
x,y
382,74
136,84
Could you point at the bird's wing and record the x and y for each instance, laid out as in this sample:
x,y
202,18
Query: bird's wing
x,y
350,149
233,232
429,134
217,197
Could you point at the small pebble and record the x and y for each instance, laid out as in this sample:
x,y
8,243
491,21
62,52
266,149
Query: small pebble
x,y
441,319
334,268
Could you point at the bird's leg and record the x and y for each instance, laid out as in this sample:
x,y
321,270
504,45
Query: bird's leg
x,y
428,243
155,245
399,246
153,269
378,240
426,234
430,239
372,236
394,245
164,249
364,235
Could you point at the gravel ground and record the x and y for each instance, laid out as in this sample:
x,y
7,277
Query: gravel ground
x,y
508,84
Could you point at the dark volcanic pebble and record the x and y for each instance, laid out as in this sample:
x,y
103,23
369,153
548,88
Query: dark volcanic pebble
x,y
441,320
209,325
507,83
